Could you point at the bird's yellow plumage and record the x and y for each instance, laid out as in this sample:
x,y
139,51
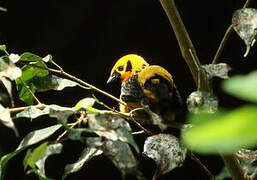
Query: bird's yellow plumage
x,y
146,85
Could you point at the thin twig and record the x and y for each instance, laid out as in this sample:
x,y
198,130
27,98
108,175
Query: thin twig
x,y
30,91
193,157
185,44
225,38
81,118
63,73
19,109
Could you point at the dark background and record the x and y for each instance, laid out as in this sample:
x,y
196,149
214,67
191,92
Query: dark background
x,y
86,37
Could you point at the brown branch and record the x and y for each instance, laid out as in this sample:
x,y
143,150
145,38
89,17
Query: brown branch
x,y
19,109
193,157
234,167
186,46
225,38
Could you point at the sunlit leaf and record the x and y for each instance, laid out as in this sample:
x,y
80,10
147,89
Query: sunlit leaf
x,y
2,47
47,58
242,86
3,9
226,133
27,56
85,156
5,119
30,139
244,22
166,151
9,70
14,57
87,104
8,85
217,70
202,102
51,82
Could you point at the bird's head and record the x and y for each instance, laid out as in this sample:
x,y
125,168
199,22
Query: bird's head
x,y
126,66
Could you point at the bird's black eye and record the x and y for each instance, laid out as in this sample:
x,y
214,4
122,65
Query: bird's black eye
x,y
120,68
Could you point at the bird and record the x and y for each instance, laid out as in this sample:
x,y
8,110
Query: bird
x,y
145,85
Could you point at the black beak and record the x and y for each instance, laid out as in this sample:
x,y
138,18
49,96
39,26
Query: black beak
x,y
114,77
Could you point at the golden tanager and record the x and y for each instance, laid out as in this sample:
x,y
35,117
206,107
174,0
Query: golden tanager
x,y
146,85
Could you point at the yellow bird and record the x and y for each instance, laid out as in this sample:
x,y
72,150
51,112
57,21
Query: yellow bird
x,y
146,85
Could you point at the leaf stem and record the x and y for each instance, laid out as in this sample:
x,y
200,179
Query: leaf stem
x,y
225,38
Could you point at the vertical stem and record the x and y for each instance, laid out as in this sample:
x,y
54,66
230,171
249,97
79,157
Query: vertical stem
x,y
233,167
186,45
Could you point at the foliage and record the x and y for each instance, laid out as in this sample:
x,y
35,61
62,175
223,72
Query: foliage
x,y
108,132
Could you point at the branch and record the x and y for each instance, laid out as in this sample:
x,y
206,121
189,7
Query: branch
x,y
18,109
225,38
233,167
186,46
64,74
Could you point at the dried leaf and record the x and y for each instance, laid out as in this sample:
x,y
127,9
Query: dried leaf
x,y
50,150
166,151
85,156
202,102
219,70
51,82
32,112
112,127
122,157
244,22
53,110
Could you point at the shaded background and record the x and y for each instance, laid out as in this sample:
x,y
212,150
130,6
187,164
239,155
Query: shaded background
x,y
86,37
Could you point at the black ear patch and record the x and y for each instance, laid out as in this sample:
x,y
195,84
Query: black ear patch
x,y
129,66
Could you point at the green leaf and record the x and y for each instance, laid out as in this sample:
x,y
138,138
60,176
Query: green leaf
x,y
27,56
30,139
85,156
242,86
35,155
3,48
3,9
25,81
87,104
225,133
